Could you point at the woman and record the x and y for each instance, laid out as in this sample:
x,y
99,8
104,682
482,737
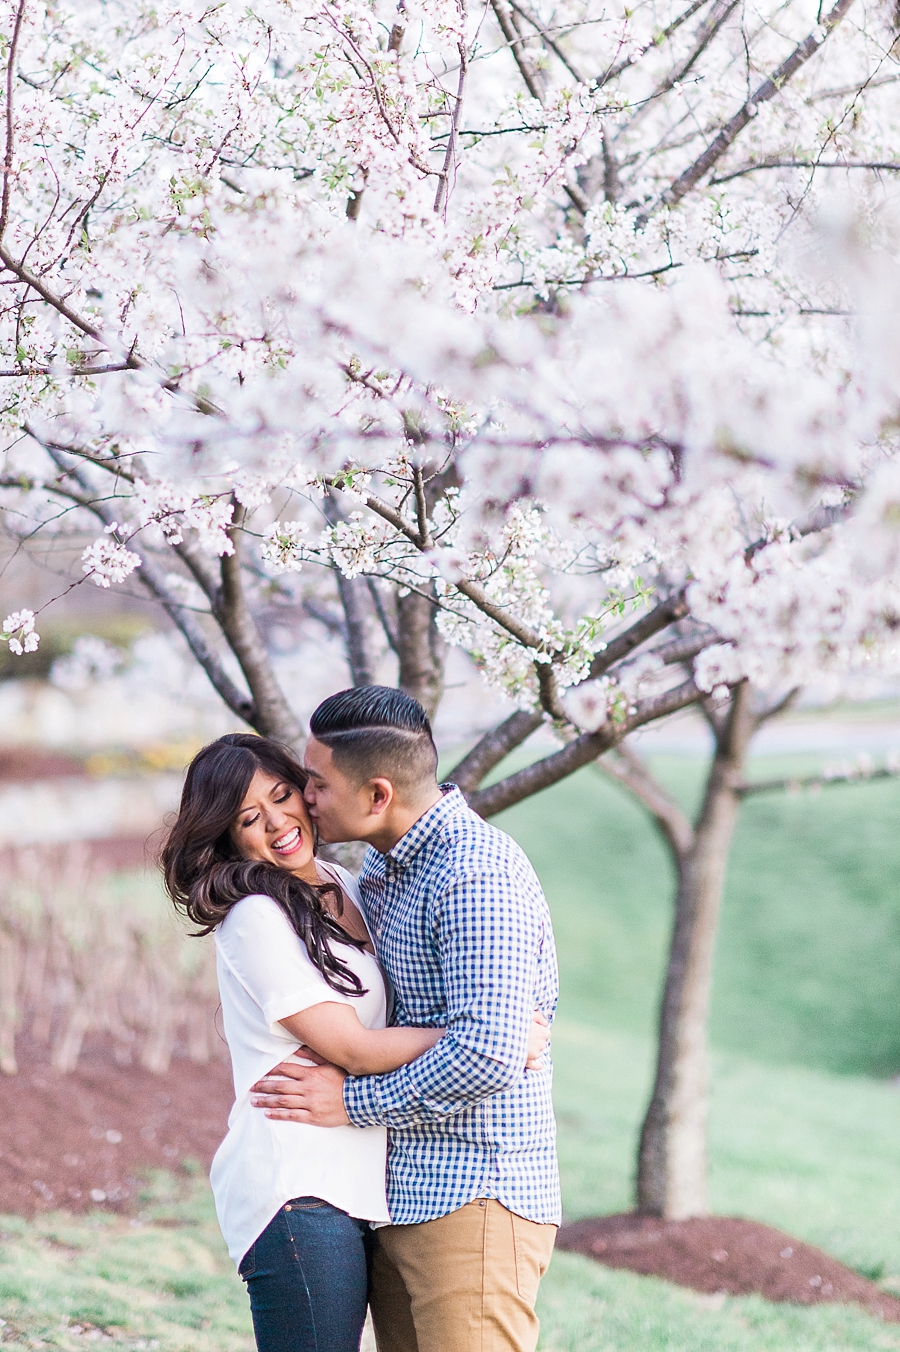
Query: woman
x,y
296,970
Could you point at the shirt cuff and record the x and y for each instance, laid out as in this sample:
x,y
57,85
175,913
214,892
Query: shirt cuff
x,y
360,1100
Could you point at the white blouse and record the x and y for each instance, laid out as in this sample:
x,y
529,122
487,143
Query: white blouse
x,y
265,974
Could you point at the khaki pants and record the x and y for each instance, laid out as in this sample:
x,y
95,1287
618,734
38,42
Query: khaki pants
x,y
466,1282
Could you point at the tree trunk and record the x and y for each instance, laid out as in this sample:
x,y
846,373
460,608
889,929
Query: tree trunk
x,y
672,1158
420,650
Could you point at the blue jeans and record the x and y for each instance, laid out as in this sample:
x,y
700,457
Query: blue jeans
x,y
307,1279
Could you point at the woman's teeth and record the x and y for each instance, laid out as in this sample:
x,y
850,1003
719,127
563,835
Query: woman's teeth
x,y
288,842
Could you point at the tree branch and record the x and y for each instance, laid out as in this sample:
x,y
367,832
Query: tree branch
x,y
494,747
390,632
684,649
530,17
129,362
615,71
705,34
355,629
580,751
766,91
153,578
630,769
443,189
10,120
888,166
527,69
660,617
780,706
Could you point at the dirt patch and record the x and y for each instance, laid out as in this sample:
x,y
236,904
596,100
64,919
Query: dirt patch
x,y
82,1141
110,854
27,763
724,1254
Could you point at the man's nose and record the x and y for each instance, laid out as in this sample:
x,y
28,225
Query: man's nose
x,y
309,794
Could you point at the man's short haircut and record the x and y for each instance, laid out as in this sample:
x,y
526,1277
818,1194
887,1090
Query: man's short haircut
x,y
377,732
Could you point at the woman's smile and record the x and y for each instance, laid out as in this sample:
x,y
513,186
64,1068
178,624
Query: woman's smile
x,y
288,843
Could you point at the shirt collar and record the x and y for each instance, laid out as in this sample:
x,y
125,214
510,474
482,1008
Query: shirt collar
x,y
428,825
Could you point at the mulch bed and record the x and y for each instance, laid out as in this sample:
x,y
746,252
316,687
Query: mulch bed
x,y
82,1141
724,1254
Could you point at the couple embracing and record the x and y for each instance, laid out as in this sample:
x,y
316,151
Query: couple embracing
x,y
392,1141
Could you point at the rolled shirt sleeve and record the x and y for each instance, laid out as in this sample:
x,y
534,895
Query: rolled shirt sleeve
x,y
264,953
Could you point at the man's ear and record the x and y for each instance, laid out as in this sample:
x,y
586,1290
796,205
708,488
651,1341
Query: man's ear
x,y
381,795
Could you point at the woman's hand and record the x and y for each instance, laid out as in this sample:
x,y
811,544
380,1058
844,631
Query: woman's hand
x,y
538,1041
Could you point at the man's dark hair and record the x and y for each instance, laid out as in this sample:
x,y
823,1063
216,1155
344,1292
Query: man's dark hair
x,y
375,731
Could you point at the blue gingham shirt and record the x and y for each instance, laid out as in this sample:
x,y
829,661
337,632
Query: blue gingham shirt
x,y
463,931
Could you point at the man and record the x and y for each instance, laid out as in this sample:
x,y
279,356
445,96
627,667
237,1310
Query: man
x,y
462,929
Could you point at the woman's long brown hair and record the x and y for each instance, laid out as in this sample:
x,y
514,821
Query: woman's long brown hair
x,y
205,874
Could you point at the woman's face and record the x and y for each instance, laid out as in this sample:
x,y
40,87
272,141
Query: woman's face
x,y
273,825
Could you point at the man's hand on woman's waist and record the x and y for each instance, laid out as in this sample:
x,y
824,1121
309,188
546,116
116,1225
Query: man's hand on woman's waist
x,y
313,1095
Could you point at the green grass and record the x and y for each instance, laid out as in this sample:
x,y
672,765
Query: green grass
x,y
803,1135
808,962
161,1281
810,1152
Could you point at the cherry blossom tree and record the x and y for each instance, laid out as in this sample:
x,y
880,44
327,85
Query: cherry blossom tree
x,y
306,294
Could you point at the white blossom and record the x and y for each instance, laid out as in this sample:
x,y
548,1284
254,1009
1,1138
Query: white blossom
x,y
283,546
108,560
19,632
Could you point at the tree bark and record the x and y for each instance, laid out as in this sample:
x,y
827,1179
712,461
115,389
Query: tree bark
x,y
420,650
273,716
672,1163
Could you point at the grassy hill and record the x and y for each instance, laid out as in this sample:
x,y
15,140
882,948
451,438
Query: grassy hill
x,y
808,962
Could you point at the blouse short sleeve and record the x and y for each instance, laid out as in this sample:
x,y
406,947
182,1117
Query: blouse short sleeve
x,y
269,960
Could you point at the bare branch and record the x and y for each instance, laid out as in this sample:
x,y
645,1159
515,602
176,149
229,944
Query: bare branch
x,y
581,751
420,650
521,56
530,17
424,540
548,688
685,648
780,706
766,91
494,747
628,768
355,629
449,166
352,591
390,632
154,579
887,166
10,120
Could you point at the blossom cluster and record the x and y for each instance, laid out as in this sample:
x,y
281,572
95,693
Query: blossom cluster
x,y
394,304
